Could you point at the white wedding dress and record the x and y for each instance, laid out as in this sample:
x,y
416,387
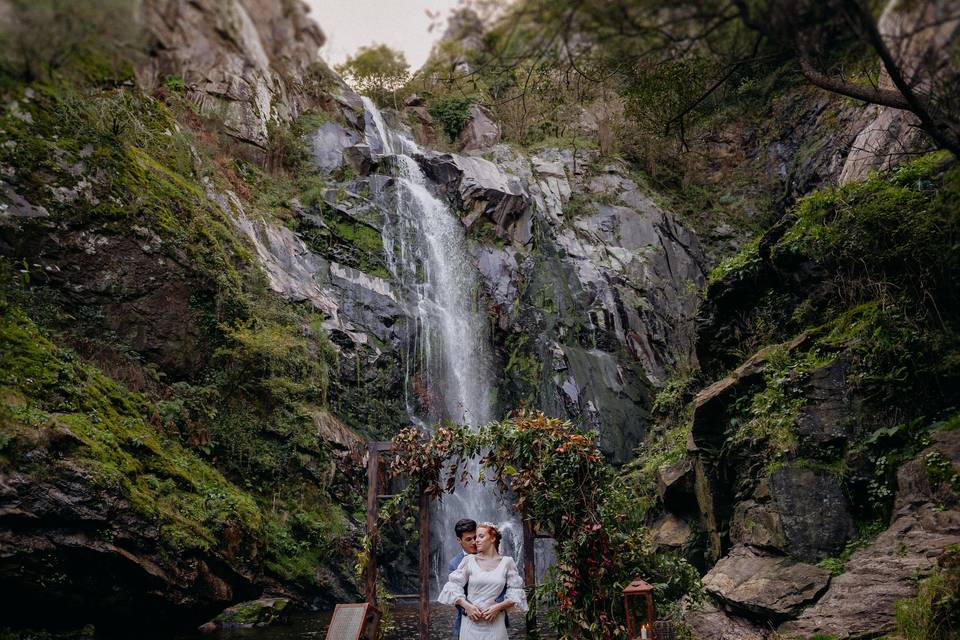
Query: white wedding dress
x,y
485,587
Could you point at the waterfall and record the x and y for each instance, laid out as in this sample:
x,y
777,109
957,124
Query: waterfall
x,y
448,363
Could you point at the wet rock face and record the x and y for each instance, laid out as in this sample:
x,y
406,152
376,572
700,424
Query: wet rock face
x,y
248,61
362,314
593,296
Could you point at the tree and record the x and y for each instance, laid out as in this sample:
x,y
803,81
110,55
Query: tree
x,y
809,26
377,71
635,40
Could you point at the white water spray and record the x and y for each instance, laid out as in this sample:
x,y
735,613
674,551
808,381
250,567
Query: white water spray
x,y
448,364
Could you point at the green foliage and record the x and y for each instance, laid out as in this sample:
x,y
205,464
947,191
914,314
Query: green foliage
x,y
658,450
742,263
268,358
174,82
897,229
867,533
934,613
940,471
452,112
766,417
562,483
376,70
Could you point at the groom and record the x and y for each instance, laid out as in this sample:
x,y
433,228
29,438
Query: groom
x,y
466,530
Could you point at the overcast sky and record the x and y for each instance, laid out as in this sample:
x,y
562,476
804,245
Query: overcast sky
x,y
402,24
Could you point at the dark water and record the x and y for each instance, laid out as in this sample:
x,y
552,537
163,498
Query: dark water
x,y
313,626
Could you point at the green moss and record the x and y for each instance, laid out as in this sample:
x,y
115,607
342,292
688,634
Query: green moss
x,y
660,448
349,242
766,418
743,262
897,227
523,369
109,436
138,169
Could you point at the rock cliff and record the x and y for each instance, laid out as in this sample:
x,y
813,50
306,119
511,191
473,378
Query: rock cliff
x,y
202,324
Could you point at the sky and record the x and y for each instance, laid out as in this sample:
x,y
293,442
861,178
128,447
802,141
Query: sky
x,y
401,24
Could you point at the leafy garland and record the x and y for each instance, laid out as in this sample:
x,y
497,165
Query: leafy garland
x,y
561,482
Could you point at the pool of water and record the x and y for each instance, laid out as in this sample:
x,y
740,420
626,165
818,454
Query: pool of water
x,y
313,626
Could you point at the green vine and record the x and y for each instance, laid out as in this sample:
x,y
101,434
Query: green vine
x,y
561,483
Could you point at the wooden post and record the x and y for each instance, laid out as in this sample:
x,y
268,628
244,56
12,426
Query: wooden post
x,y
423,624
529,571
372,489
370,588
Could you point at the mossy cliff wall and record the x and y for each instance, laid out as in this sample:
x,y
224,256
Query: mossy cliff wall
x,y
200,329
166,423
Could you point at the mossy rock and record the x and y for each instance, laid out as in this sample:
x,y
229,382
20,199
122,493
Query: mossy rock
x,y
262,612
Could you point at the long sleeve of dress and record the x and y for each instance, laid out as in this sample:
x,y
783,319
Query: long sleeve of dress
x,y
453,590
515,592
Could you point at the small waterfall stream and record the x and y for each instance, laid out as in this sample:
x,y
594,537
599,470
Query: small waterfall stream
x,y
448,362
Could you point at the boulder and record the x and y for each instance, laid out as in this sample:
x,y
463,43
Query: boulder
x,y
360,158
328,145
757,523
824,421
708,621
675,485
671,533
422,122
480,131
812,510
926,521
479,188
764,585
711,404
796,511
262,612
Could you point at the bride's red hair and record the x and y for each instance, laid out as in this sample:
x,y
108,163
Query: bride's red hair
x,y
492,529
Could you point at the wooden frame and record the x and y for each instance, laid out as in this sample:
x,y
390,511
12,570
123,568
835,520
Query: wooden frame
x,y
376,477
345,631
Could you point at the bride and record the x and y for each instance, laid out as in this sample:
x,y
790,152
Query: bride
x,y
485,574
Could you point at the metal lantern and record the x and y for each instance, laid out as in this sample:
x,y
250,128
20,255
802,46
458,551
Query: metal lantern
x,y
633,592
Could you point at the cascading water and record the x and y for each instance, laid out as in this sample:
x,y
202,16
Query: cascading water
x,y
448,360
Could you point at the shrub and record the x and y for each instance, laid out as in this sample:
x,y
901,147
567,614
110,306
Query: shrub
x,y
934,613
452,112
